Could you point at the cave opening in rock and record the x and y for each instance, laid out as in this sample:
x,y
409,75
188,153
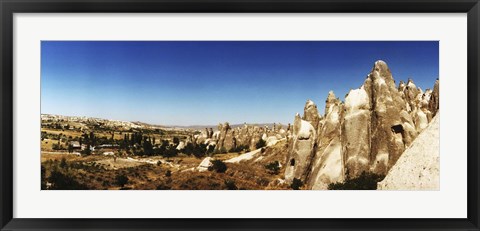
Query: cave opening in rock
x,y
292,162
397,128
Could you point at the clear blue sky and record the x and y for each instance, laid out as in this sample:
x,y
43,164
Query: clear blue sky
x,y
204,83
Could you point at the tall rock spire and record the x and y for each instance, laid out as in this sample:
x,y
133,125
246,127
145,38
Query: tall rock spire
x,y
310,113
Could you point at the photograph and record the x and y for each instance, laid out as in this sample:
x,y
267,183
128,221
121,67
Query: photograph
x,y
239,115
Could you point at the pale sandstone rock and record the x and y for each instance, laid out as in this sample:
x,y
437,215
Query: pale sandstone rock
x,y
327,164
356,132
203,166
310,114
434,102
301,151
418,167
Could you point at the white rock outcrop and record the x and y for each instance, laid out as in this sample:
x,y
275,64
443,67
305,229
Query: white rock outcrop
x,y
302,149
203,166
419,166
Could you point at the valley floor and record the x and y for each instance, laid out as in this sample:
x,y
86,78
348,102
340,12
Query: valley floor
x,y
99,172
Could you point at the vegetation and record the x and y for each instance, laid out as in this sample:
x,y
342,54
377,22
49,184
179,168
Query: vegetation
x,y
260,144
230,184
366,181
121,180
94,172
273,167
58,146
296,184
63,181
43,178
218,166
141,158
63,163
199,150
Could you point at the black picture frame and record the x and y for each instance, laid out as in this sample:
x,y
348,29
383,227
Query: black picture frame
x,y
9,7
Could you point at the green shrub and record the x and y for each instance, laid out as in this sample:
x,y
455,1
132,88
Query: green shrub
x,y
230,184
366,181
296,184
106,183
260,144
121,180
273,167
218,166
57,146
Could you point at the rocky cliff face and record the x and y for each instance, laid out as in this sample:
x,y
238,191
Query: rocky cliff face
x,y
327,166
302,149
418,167
368,132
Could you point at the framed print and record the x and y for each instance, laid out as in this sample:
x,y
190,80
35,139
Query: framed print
x,y
239,115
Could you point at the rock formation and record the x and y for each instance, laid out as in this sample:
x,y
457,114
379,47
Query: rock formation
x,y
374,130
228,138
310,114
302,150
418,167
367,133
205,164
434,102
327,166
356,132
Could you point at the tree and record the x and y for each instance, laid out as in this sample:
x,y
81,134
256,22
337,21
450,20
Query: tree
x,y
63,163
210,149
57,146
260,144
132,141
87,150
176,141
218,166
273,167
70,148
93,140
147,146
